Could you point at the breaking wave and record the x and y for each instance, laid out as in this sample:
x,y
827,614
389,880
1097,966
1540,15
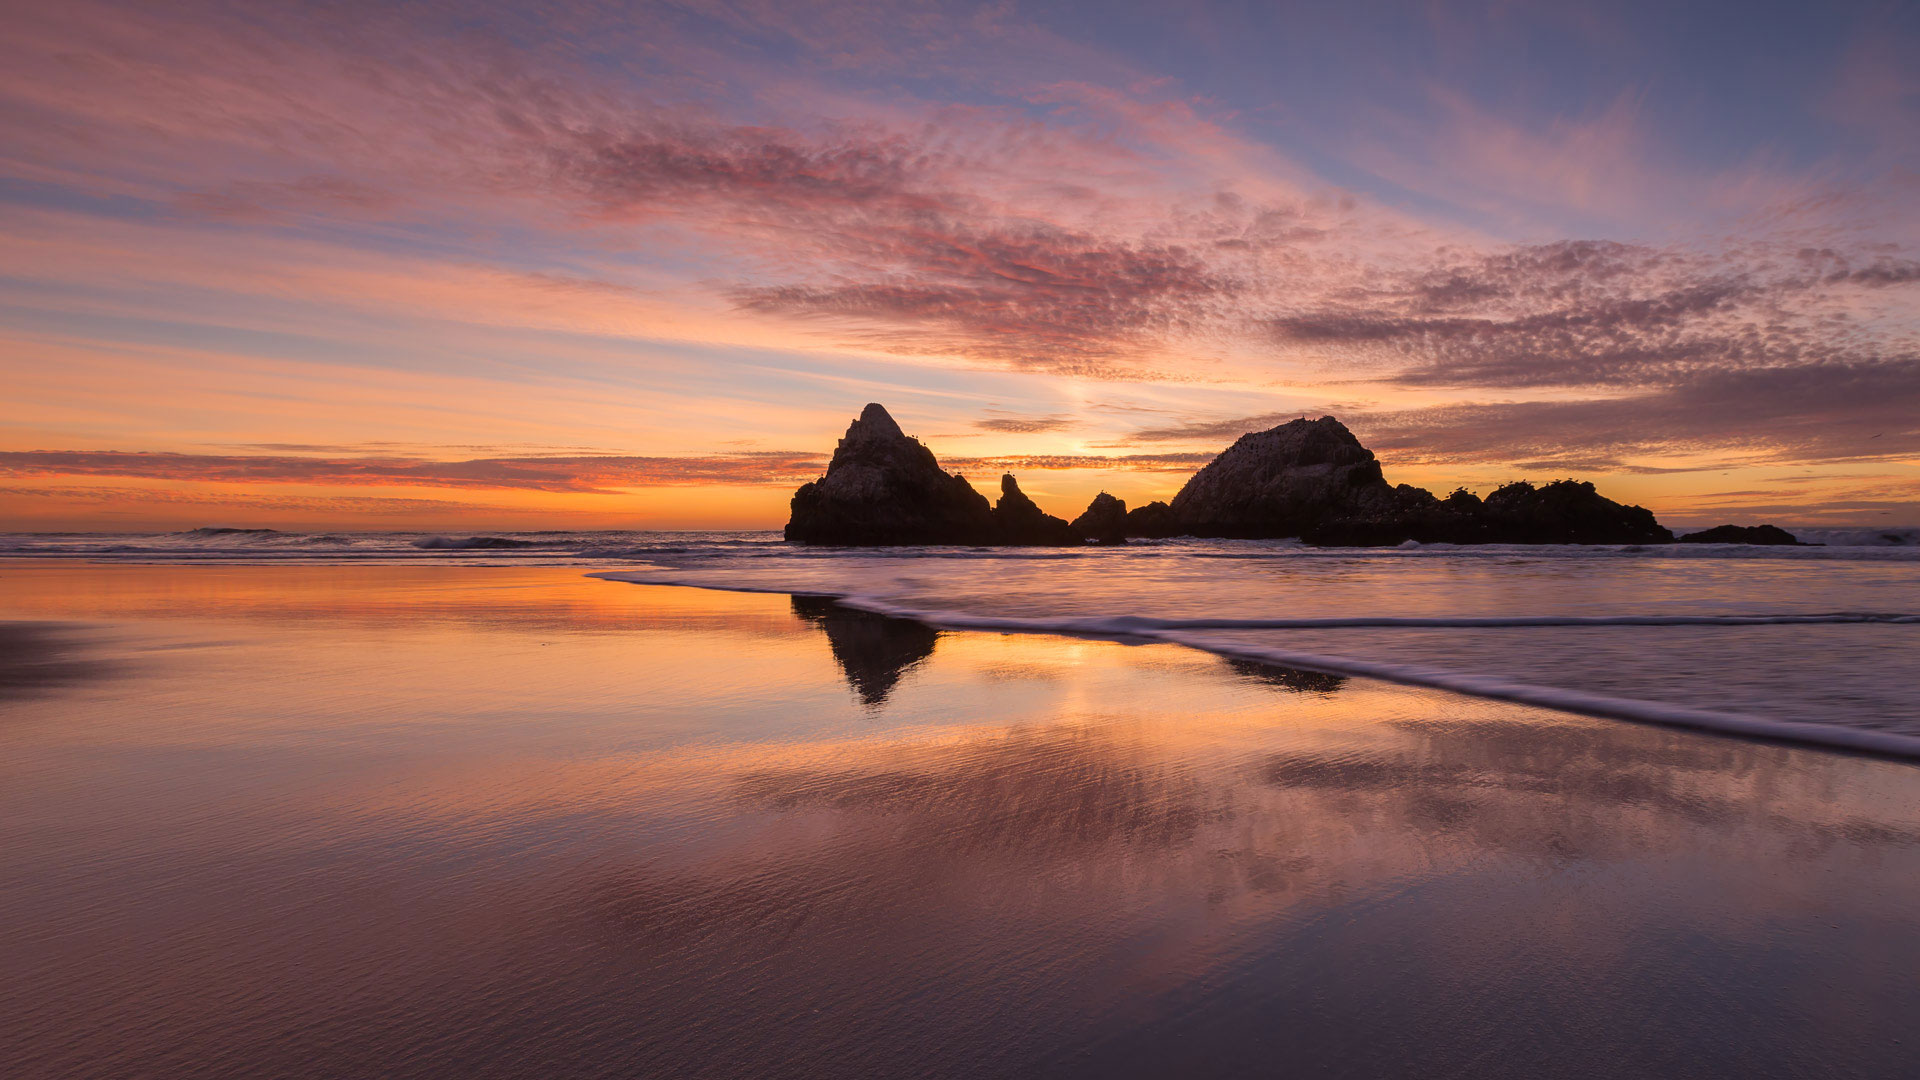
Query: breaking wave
x,y
1192,633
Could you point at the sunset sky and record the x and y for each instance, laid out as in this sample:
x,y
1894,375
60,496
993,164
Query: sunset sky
x,y
601,265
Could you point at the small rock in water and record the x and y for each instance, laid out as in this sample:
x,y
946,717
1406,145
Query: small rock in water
x,y
1771,535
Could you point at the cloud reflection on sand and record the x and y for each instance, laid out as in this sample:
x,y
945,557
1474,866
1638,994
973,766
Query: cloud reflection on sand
x,y
403,815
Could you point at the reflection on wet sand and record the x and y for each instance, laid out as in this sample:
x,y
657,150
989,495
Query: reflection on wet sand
x,y
1052,789
1571,855
39,657
874,650
464,844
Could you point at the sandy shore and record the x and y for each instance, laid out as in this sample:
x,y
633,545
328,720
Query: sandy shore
x,y
321,821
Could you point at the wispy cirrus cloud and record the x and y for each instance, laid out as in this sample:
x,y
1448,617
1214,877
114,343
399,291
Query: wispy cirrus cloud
x,y
1180,462
928,200
975,233
1831,413
121,498
598,474
1609,314
578,474
1007,423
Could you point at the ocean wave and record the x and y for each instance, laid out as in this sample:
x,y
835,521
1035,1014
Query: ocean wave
x,y
1869,538
1191,634
1878,545
477,543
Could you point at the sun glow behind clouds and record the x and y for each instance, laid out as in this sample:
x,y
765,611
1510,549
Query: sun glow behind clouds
x,y
640,268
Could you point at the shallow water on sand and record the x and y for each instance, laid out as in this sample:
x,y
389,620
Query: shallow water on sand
x,y
467,821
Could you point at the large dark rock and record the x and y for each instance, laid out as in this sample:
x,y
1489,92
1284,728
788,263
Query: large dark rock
x,y
1018,520
1314,480
1307,478
885,488
1104,521
1743,534
1411,514
1153,521
1284,482
1567,512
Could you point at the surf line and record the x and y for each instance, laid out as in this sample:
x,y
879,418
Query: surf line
x,y
1186,633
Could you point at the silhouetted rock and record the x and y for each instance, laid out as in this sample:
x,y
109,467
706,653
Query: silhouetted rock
x,y
1284,482
873,651
1567,512
1743,534
1411,514
1306,478
1017,520
1312,479
885,488
1104,522
1153,521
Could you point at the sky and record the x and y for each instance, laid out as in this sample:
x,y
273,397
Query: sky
x,y
585,264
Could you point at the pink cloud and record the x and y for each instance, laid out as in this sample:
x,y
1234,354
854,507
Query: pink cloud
x,y
594,474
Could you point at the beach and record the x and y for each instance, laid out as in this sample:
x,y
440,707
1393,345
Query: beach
x,y
447,819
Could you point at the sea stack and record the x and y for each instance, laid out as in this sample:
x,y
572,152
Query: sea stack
x,y
1314,480
883,487
1104,521
1310,479
1019,520
1283,482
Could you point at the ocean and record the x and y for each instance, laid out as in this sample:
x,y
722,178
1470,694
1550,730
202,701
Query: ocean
x,y
1812,643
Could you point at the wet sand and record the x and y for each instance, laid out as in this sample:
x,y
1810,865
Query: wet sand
x,y
468,821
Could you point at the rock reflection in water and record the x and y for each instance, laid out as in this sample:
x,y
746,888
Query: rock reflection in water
x,y
322,842
1452,889
873,650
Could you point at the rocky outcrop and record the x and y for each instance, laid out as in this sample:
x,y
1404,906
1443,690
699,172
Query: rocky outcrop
x,y
1018,520
1567,512
1104,521
883,488
1306,478
1314,480
1153,521
1283,482
1410,514
1771,535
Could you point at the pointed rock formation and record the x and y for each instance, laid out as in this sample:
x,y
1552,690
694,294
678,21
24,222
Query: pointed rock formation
x,y
1307,478
1018,520
1104,522
885,488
